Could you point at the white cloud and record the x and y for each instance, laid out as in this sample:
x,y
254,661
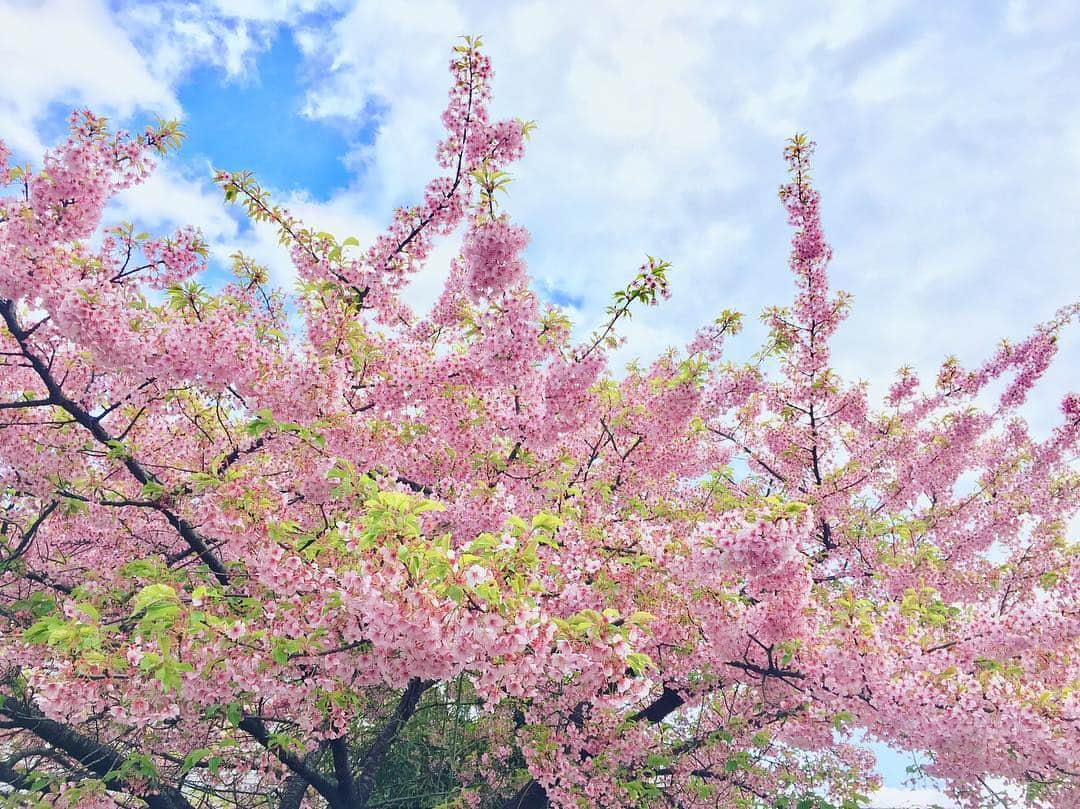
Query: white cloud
x,y
183,35
897,74
272,10
895,798
171,198
72,53
947,166
944,160
385,53
1024,17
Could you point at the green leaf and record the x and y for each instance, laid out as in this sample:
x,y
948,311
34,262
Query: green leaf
x,y
39,631
840,717
168,674
140,568
233,713
546,522
201,481
117,449
639,663
738,761
154,594
654,761
194,758
262,422
152,490
89,610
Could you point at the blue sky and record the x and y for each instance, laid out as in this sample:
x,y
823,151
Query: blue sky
x,y
949,146
254,122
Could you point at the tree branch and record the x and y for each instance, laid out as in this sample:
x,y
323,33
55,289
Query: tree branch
x,y
100,760
326,787
93,425
370,763
532,794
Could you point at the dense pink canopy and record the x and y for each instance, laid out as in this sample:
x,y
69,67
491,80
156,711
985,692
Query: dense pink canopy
x,y
242,559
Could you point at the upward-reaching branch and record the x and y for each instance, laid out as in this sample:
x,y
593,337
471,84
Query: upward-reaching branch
x,y
373,758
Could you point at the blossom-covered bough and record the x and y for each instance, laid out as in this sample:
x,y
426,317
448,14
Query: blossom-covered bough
x,y
391,558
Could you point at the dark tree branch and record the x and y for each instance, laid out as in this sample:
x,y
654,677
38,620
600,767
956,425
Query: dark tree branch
x,y
100,760
373,758
339,748
664,705
292,792
93,425
326,787
25,403
28,535
532,794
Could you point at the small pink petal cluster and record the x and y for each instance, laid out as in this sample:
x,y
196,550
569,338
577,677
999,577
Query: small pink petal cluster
x,y
492,256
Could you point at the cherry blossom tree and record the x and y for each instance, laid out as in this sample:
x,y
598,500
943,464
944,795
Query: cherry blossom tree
x,y
317,548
